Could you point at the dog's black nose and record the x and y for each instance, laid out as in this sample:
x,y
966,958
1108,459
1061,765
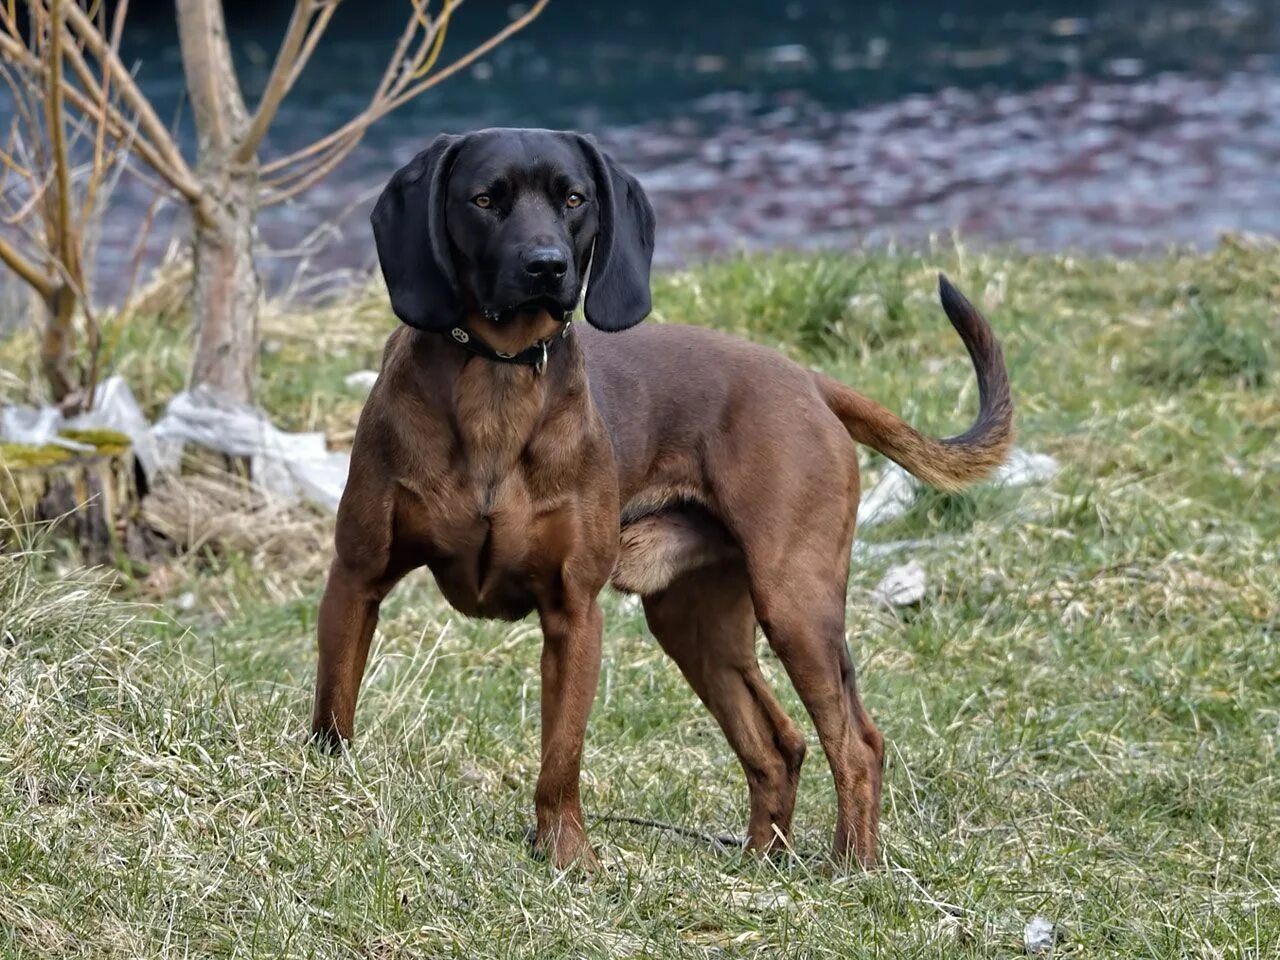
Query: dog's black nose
x,y
546,263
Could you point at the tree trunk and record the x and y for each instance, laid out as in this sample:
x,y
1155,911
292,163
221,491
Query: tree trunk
x,y
58,341
225,285
90,498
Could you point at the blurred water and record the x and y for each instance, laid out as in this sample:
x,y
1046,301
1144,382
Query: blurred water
x,y
1120,126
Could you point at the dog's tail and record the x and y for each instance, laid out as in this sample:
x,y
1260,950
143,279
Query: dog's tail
x,y
957,461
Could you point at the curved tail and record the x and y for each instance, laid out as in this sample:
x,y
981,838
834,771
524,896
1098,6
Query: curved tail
x,y
957,461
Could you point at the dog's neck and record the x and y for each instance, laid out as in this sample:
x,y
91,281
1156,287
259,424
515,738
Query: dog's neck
x,y
518,333
497,407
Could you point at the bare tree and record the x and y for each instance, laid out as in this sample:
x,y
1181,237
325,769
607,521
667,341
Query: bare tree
x,y
228,184
56,169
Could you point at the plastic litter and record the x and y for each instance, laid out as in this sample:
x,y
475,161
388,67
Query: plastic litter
x,y
35,427
294,466
902,585
115,408
298,466
361,381
891,497
1039,936
895,492
1023,468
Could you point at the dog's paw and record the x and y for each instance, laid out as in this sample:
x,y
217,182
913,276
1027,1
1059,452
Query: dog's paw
x,y
328,740
564,849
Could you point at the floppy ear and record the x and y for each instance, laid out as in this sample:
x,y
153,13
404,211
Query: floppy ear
x,y
413,247
618,291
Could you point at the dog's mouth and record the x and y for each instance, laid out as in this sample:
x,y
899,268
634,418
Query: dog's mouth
x,y
529,308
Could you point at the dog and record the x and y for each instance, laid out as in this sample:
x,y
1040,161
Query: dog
x,y
528,461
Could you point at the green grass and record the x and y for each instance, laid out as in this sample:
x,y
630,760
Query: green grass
x,y
1202,344
1083,716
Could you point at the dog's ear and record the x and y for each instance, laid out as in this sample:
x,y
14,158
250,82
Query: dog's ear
x,y
413,246
618,291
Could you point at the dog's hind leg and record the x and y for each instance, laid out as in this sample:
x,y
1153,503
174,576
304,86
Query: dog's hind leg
x,y
704,620
797,561
803,618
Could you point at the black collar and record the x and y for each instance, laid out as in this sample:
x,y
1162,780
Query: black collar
x,y
534,356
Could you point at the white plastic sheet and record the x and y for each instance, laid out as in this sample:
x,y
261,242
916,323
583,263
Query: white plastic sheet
x,y
1024,467
902,585
1039,936
114,408
895,492
295,466
361,381
891,497
35,427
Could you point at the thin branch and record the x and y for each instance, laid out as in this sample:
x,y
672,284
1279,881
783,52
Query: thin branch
x,y
37,197
119,126
325,158
89,238
410,28
400,70
29,272
99,140
57,133
22,101
129,306
139,249
13,165
280,79
313,38
515,26
128,91
27,100
401,93
314,174
180,178
430,30
439,28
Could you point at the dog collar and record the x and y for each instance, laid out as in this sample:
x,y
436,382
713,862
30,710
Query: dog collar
x,y
534,356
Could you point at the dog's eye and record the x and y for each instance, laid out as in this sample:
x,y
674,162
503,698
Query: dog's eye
x,y
574,200
482,200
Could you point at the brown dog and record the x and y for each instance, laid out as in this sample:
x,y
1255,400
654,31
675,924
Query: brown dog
x,y
527,464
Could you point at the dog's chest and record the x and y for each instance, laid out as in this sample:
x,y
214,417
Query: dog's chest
x,y
485,551
489,516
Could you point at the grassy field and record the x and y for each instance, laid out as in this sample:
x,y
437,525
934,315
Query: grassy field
x,y
1082,716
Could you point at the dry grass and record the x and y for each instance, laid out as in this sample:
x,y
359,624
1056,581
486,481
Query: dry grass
x,y
206,511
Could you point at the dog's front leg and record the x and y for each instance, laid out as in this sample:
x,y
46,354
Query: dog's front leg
x,y
570,671
348,616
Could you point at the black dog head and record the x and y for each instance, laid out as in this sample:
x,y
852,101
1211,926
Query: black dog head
x,y
503,220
